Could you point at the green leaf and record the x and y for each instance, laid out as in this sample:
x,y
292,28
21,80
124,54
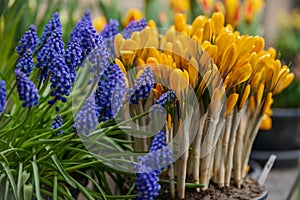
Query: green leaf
x,y
27,192
54,196
10,178
19,183
36,180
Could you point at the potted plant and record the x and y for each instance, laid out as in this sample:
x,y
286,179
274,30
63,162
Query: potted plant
x,y
176,109
283,138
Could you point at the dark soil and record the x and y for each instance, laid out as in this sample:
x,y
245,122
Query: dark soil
x,y
249,191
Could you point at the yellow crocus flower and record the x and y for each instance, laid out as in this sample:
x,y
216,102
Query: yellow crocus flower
x,y
99,23
132,14
251,9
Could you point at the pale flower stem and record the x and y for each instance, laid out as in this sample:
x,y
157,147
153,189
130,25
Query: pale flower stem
x,y
229,160
250,139
224,150
184,145
190,164
238,150
197,149
212,121
169,138
217,161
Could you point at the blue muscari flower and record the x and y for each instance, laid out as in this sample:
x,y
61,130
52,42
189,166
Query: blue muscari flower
x,y
159,141
166,98
86,119
53,46
147,185
73,57
142,87
132,27
89,40
57,123
86,20
165,101
2,95
28,41
52,25
108,34
86,34
99,58
25,63
26,89
60,79
110,92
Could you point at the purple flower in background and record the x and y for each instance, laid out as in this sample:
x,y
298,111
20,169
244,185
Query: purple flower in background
x,y
57,123
25,63
2,95
142,87
110,92
132,27
28,41
86,119
27,90
73,57
60,79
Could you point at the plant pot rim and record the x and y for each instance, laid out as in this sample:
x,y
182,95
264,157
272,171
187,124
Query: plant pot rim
x,y
286,112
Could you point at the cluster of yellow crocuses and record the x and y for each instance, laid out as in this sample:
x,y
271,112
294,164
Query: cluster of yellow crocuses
x,y
234,72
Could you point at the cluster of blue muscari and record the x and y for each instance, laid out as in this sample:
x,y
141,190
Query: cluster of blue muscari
x,y
147,185
164,101
28,41
110,92
73,57
25,63
52,25
60,79
132,27
99,58
142,87
108,34
57,123
2,95
86,119
52,47
25,49
26,89
151,165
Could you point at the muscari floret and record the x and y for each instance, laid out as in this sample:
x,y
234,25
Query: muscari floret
x,y
60,79
147,185
52,25
164,101
86,119
2,95
110,92
142,87
151,165
25,63
57,123
108,34
28,41
132,27
73,57
28,93
53,46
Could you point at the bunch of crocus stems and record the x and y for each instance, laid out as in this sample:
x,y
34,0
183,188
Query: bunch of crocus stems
x,y
233,78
